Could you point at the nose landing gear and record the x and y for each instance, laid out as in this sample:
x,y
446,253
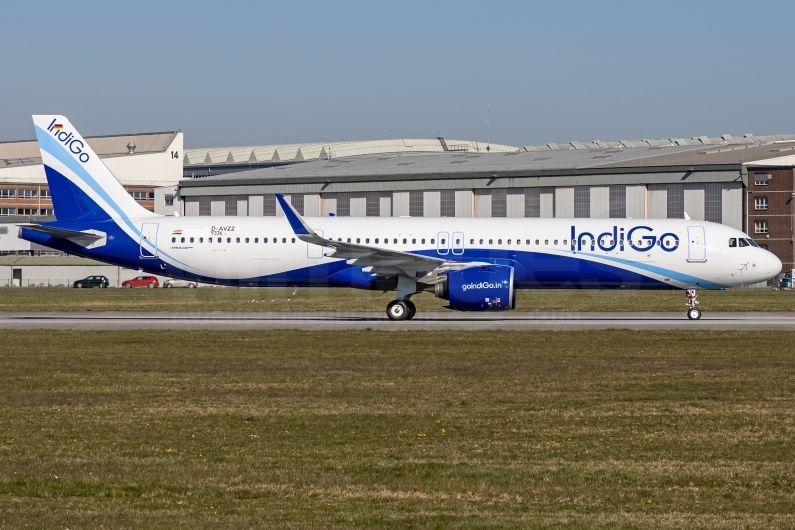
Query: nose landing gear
x,y
693,313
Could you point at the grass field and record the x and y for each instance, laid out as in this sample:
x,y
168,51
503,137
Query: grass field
x,y
275,299
613,429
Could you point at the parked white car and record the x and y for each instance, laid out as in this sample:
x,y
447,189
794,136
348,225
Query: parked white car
x,y
179,283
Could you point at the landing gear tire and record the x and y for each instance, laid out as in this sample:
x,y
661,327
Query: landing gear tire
x,y
693,314
397,310
412,309
692,301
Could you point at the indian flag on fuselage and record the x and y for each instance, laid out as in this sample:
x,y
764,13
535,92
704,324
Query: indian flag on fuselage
x,y
177,232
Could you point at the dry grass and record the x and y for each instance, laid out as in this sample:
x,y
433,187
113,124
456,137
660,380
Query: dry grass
x,y
277,299
613,429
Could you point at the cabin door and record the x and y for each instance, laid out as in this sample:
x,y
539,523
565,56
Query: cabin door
x,y
149,240
696,244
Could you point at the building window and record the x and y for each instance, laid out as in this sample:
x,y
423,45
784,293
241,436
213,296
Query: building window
x,y
28,194
297,202
372,204
760,203
27,211
532,202
447,204
499,203
713,203
8,194
46,211
169,200
269,205
230,205
618,202
416,203
205,206
137,195
151,195
45,194
7,211
582,201
760,227
343,204
676,201
760,179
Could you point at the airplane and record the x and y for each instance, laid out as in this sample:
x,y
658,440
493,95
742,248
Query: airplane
x,y
476,264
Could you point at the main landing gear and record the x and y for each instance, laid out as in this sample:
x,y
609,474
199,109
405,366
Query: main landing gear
x,y
692,300
401,310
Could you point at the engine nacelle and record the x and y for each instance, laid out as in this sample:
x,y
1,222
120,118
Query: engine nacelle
x,y
480,288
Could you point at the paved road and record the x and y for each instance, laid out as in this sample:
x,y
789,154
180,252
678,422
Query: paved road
x,y
378,321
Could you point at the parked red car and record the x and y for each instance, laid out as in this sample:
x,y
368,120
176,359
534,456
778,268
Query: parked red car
x,y
141,281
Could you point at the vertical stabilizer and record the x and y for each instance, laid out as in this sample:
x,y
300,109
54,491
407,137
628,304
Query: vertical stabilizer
x,y
81,185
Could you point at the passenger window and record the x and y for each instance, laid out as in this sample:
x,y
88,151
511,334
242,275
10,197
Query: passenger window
x,y
457,241
191,240
546,241
564,242
491,241
376,241
423,240
228,239
471,241
536,241
481,241
499,241
256,240
246,240
413,241
173,239
284,240
432,241
443,241
367,240
395,241
358,240
527,242
201,240
556,241
349,240
404,241
264,239
182,240
237,240
293,240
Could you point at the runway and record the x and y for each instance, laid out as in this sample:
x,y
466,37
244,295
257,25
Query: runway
x,y
377,321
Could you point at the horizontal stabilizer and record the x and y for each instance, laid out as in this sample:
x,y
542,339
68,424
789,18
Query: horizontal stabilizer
x,y
62,233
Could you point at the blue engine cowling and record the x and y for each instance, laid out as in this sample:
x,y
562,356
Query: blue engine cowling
x,y
481,288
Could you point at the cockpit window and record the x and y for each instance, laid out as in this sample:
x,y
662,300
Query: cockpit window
x,y
743,242
752,242
732,242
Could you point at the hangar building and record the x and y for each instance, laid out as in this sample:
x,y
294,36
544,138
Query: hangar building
x,y
745,182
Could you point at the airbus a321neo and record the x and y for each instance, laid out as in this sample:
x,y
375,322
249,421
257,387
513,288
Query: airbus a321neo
x,y
477,264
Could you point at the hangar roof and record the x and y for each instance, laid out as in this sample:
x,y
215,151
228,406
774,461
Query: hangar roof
x,y
312,151
26,152
648,156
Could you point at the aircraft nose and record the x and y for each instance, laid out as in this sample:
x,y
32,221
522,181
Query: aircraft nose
x,y
773,264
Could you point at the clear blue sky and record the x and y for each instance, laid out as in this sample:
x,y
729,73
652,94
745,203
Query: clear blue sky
x,y
257,72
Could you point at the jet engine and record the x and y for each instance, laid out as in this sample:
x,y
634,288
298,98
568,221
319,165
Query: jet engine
x,y
479,288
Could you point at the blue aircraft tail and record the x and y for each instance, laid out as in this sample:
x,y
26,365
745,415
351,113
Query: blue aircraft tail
x,y
81,185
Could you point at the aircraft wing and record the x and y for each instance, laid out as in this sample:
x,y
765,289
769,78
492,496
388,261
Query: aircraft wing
x,y
381,261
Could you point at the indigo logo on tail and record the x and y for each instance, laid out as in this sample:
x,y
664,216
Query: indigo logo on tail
x,y
75,145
